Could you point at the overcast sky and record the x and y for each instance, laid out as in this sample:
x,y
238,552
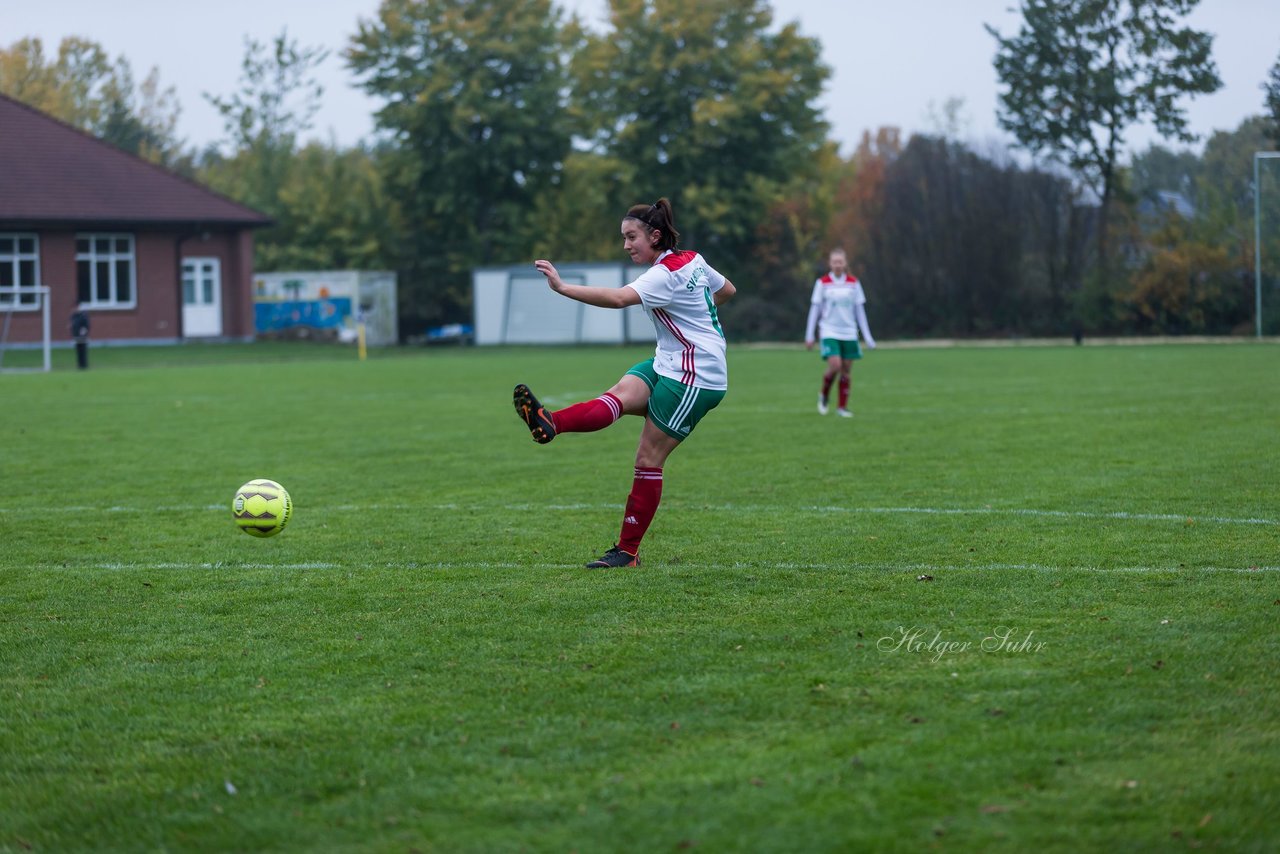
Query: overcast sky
x,y
894,62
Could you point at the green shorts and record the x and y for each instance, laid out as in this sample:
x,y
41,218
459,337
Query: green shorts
x,y
675,407
847,350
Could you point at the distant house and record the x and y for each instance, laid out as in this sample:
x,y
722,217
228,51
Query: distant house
x,y
1163,202
151,256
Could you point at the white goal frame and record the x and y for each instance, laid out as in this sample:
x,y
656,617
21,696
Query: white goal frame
x,y
12,307
1258,157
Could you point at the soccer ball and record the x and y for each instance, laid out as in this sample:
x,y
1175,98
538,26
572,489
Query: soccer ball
x,y
261,508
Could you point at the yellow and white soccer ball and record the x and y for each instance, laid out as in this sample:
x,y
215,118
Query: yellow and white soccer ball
x,y
261,508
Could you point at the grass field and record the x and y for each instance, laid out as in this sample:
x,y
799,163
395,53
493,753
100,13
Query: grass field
x,y
1027,599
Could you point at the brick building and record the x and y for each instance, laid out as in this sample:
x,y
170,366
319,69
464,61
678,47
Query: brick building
x,y
151,256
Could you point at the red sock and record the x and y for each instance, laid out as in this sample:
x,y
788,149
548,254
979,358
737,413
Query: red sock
x,y
589,415
826,384
844,392
642,503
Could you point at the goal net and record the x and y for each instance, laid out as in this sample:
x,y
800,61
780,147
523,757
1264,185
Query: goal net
x,y
24,307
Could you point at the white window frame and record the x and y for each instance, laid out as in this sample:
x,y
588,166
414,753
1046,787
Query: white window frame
x,y
111,257
14,259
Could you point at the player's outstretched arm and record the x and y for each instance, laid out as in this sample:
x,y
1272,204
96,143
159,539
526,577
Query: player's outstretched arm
x,y
602,297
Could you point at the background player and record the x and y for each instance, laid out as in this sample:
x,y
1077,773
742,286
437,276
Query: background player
x,y
836,308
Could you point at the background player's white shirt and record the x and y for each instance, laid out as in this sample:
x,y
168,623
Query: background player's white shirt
x,y
837,300
676,294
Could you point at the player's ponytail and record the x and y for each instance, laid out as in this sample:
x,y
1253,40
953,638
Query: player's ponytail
x,y
657,217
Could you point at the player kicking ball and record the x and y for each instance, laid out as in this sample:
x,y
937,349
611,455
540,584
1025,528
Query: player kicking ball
x,y
686,378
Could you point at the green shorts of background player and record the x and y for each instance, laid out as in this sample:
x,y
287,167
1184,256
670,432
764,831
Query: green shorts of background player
x,y
843,350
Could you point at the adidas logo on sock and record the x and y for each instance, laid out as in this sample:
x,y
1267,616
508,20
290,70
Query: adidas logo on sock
x,y
630,520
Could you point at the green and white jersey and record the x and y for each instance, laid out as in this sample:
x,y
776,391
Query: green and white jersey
x,y
676,293
836,301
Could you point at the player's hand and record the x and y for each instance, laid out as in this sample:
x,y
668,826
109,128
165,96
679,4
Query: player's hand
x,y
808,345
871,344
548,269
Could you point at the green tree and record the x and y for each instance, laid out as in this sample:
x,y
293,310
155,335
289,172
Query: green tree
x,y
572,221
861,197
262,120
68,87
1225,212
1185,286
1224,183
1079,73
1192,264
1160,169
337,214
84,87
143,120
473,97
278,95
708,104
790,249
1272,88
330,206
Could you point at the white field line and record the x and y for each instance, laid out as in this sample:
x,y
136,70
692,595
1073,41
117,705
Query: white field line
x,y
1069,514
711,508
914,567
217,565
948,343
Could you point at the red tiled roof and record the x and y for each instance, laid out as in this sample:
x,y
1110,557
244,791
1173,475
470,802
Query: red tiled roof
x,y
53,172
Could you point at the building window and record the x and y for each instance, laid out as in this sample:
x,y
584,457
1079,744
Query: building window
x,y
19,268
105,270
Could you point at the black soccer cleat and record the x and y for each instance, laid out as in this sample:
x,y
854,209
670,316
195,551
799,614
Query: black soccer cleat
x,y
534,416
615,557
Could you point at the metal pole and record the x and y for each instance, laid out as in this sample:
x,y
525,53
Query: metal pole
x,y
45,297
1258,157
1257,247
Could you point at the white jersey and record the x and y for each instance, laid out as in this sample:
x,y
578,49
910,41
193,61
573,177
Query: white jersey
x,y
676,294
837,301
